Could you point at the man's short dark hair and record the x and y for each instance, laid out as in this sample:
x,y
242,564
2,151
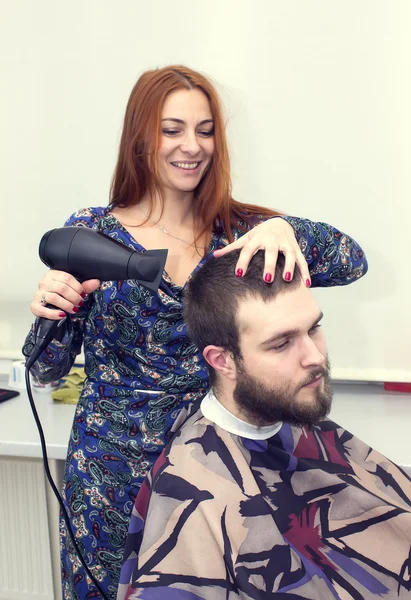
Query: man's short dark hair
x,y
213,294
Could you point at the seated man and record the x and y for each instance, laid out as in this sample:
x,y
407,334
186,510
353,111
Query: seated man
x,y
258,493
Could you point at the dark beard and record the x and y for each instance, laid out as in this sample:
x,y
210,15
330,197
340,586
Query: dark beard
x,y
263,405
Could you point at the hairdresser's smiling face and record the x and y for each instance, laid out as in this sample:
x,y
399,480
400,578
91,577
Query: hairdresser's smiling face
x,y
187,140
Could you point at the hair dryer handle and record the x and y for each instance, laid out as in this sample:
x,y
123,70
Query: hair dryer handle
x,y
45,331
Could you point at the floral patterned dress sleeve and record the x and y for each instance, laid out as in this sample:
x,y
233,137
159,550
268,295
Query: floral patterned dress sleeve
x,y
58,358
333,257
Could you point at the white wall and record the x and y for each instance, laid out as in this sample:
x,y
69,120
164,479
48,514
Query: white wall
x,y
317,96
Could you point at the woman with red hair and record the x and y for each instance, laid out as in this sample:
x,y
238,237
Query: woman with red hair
x,y
171,189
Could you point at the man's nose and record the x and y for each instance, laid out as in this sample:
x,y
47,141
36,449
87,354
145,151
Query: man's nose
x,y
312,356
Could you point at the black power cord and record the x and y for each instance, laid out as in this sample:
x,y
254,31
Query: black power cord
x,y
54,487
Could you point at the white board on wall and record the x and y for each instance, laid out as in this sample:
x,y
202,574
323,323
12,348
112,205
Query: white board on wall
x,y
317,96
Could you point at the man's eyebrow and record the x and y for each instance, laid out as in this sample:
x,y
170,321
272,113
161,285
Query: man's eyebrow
x,y
183,122
289,333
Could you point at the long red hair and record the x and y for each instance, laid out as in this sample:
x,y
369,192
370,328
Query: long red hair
x,y
136,172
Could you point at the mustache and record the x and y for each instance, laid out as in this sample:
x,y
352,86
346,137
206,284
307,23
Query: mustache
x,y
315,374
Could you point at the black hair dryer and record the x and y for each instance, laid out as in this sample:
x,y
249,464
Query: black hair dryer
x,y
89,254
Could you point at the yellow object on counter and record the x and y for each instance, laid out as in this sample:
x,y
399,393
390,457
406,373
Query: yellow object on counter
x,y
69,392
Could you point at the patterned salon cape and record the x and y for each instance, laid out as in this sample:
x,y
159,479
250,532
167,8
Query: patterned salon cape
x,y
309,513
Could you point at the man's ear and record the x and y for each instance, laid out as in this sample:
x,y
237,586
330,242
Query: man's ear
x,y
221,360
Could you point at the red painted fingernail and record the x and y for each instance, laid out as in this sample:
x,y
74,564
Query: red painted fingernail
x,y
308,283
239,273
83,294
287,276
81,303
75,309
268,277
62,314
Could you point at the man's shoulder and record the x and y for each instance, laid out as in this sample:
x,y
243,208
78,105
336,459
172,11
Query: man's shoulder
x,y
199,450
197,437
343,446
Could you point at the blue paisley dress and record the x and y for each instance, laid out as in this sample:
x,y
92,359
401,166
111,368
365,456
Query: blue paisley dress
x,y
142,370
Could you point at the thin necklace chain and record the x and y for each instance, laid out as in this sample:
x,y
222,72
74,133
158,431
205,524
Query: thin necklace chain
x,y
163,229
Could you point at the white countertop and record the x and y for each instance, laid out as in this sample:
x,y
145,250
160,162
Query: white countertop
x,y
18,430
379,418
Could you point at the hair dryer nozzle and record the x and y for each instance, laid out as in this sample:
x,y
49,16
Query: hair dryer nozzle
x,y
147,268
